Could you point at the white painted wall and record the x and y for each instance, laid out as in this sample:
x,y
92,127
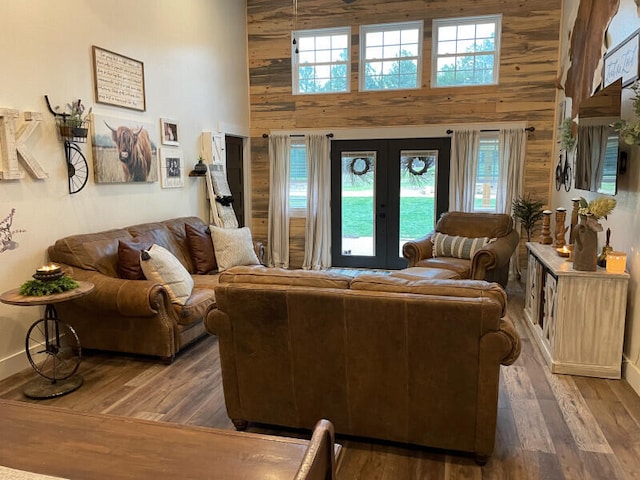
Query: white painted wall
x,y
195,62
624,221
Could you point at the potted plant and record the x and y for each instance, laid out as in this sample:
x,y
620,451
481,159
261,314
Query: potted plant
x,y
74,123
528,212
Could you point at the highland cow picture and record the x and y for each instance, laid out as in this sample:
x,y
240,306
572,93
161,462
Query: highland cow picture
x,y
123,150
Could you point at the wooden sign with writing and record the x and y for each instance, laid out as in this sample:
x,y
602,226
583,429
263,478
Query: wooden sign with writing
x,y
119,80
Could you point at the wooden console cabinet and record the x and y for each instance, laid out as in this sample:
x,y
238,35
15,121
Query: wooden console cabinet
x,y
577,318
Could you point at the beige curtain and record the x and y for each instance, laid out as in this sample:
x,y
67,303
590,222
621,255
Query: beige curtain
x,y
278,219
317,237
464,165
511,147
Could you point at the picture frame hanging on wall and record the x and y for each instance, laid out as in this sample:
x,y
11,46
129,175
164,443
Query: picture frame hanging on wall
x,y
123,150
169,132
118,80
622,61
171,168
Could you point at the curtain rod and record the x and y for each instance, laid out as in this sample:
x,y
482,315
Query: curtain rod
x,y
266,135
527,129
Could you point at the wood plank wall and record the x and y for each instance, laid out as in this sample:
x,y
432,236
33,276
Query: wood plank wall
x,y
526,90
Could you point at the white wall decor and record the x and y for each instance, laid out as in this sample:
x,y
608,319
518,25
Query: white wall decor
x,y
12,143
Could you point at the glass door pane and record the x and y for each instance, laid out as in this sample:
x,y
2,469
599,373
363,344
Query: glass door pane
x,y
418,174
358,203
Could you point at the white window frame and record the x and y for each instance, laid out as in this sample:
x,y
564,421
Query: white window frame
x,y
484,137
463,21
390,27
295,56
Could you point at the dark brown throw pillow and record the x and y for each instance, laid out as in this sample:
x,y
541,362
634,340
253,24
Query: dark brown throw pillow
x,y
129,257
201,250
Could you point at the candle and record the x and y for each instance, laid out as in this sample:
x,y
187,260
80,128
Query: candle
x,y
616,262
50,268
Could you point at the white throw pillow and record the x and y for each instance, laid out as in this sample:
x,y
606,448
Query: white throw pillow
x,y
233,247
160,265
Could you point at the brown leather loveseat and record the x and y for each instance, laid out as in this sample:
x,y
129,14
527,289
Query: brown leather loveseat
x,y
490,262
415,361
123,314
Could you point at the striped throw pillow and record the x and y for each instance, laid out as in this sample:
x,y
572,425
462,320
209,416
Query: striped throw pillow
x,y
458,247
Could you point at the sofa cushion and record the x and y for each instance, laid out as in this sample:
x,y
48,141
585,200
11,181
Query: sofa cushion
x,y
456,246
442,287
195,307
167,238
201,249
160,265
90,251
233,246
129,257
475,224
281,276
460,266
423,273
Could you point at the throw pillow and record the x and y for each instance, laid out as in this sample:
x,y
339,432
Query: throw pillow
x,y
233,246
129,257
200,247
458,247
160,265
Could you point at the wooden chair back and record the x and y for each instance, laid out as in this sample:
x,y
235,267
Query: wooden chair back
x,y
319,462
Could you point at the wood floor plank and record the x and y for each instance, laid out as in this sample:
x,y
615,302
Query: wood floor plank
x,y
585,430
554,427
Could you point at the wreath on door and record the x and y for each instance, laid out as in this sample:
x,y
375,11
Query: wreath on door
x,y
360,166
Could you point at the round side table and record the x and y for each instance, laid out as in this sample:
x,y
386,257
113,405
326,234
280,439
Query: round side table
x,y
52,346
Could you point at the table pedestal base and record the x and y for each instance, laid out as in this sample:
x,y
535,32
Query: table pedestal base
x,y
44,388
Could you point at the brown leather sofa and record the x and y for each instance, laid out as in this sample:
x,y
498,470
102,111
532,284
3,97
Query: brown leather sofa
x,y
387,357
490,262
133,316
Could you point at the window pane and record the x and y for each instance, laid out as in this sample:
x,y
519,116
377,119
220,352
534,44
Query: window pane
x,y
487,176
298,177
466,32
447,33
463,41
410,36
417,193
374,39
324,52
391,38
339,42
485,30
390,45
358,214
374,52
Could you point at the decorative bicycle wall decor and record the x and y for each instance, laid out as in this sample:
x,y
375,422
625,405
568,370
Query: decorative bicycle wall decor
x,y
73,128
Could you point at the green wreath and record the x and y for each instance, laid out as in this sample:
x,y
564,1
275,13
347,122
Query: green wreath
x,y
417,171
360,171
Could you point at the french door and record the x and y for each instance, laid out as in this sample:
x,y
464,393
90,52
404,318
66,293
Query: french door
x,y
384,193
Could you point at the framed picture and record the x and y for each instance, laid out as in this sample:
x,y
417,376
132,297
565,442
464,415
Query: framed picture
x,y
622,61
119,80
123,151
171,168
169,132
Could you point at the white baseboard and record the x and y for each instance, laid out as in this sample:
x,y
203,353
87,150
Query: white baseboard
x,y
631,373
13,364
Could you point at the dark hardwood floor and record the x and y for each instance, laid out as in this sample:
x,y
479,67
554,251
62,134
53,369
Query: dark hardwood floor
x,y
549,426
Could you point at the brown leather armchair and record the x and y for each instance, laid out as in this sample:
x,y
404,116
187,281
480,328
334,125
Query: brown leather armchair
x,y
490,262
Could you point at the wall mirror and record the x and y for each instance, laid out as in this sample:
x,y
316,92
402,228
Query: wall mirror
x,y
598,143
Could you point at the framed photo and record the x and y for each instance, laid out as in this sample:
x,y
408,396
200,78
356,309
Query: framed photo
x,y
119,80
171,168
123,150
622,61
169,132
